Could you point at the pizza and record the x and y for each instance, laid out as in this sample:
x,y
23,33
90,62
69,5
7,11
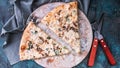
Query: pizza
x,y
37,44
63,21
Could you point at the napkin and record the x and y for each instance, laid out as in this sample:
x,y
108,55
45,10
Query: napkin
x,y
14,18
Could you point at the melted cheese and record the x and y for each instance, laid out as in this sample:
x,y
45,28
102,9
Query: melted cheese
x,y
67,16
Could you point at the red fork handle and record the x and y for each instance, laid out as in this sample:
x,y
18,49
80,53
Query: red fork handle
x,y
107,52
93,52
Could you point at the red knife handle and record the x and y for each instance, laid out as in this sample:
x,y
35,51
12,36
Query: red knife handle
x,y
107,52
93,52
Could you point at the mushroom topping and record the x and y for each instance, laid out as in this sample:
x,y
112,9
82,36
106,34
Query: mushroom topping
x,y
30,45
41,40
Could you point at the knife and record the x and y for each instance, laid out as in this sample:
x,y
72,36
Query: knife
x,y
46,29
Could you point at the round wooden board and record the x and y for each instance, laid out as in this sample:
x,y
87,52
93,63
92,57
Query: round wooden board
x,y
70,60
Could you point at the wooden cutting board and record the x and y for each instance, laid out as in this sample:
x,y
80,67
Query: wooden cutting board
x,y
86,36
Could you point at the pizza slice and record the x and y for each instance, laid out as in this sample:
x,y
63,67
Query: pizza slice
x,y
36,44
63,20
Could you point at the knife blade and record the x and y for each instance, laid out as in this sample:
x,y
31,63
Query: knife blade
x,y
49,32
